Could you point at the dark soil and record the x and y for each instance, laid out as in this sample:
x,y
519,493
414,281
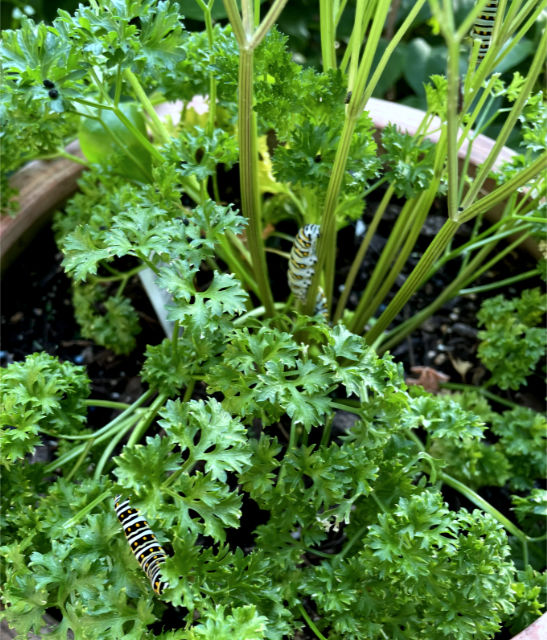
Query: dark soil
x,y
37,315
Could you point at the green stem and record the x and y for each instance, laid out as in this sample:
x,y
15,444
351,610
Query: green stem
x,y
326,23
105,457
248,167
354,538
87,509
342,406
504,191
358,260
121,116
326,246
458,386
393,43
267,23
80,460
255,313
509,124
480,502
107,404
431,254
310,622
99,436
147,105
70,156
501,283
146,419
452,121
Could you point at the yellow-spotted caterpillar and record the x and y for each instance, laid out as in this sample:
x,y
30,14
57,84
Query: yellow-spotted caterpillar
x,y
483,27
302,262
144,544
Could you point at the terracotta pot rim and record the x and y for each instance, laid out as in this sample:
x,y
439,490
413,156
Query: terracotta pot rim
x,y
44,184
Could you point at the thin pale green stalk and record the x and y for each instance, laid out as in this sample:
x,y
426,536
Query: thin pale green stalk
x,y
408,326
328,33
362,16
480,502
504,191
107,453
267,23
79,462
310,622
510,122
359,257
327,240
236,266
393,43
326,248
501,283
236,22
255,313
452,128
70,156
146,419
470,273
147,105
395,253
457,386
86,510
109,404
339,12
250,194
409,287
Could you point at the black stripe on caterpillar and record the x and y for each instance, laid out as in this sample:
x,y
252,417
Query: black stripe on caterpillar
x,y
483,27
143,543
302,261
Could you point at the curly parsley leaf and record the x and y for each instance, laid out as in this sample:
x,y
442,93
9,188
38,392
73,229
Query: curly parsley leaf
x,y
40,393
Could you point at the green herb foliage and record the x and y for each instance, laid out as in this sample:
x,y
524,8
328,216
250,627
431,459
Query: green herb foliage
x,y
297,484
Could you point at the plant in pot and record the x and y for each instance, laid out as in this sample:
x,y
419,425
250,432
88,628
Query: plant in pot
x,y
278,478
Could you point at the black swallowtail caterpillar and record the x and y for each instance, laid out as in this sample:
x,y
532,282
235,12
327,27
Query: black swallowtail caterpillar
x,y
144,544
302,266
483,27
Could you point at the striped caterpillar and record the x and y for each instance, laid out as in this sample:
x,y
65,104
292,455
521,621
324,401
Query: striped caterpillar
x,y
144,544
302,262
483,27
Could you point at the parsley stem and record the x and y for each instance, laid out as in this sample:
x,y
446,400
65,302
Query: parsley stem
x,y
328,34
87,509
480,502
501,283
458,386
107,404
146,420
111,445
70,156
147,105
354,538
342,406
255,313
310,622
360,255
84,453
412,282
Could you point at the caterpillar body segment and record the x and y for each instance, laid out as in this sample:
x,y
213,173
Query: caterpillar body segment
x,y
302,261
483,28
143,543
